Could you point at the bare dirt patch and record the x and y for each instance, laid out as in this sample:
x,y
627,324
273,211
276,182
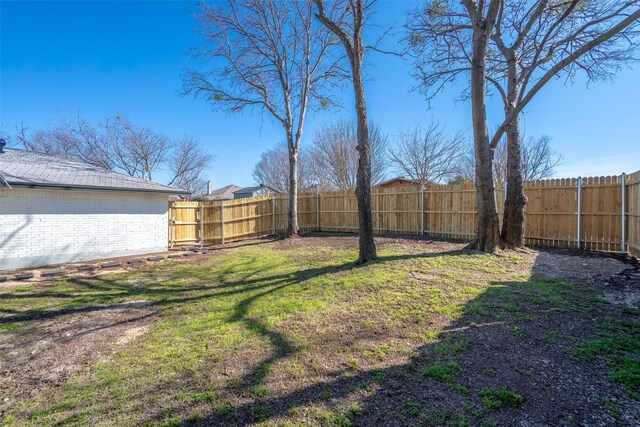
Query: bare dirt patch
x,y
410,244
617,275
579,266
47,353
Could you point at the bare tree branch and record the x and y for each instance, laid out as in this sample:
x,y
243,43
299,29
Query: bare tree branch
x,y
561,39
272,170
537,41
120,145
272,56
187,164
539,160
333,156
428,155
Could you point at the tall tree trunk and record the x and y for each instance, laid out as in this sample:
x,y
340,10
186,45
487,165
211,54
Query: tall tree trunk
x,y
363,181
487,222
292,217
516,200
355,52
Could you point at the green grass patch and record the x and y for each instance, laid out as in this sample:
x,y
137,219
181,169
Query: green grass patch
x,y
237,331
412,408
519,332
500,397
451,345
618,344
443,372
10,327
627,372
204,396
259,392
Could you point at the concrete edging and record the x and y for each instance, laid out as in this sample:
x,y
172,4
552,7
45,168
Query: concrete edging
x,y
99,265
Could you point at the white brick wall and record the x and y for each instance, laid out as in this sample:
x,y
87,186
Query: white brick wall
x,y
40,227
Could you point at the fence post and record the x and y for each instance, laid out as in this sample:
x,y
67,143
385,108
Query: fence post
x,y
579,209
222,219
201,224
273,213
624,208
171,224
422,210
318,211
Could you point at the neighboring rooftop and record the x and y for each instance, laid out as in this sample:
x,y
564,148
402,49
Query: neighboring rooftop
x,y
402,180
224,193
30,169
247,190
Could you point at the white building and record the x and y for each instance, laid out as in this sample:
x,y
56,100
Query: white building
x,y
54,211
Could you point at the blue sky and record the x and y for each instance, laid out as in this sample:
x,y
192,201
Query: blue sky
x,y
123,57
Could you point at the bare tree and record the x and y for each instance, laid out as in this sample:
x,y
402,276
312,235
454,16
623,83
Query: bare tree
x,y
117,144
347,19
334,155
9,140
272,170
187,163
459,179
467,164
56,141
120,145
428,155
537,41
78,139
269,55
137,150
538,160
451,39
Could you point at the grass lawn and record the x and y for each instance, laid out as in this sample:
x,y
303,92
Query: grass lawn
x,y
292,334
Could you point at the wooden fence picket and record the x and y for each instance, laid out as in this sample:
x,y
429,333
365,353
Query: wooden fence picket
x,y
447,211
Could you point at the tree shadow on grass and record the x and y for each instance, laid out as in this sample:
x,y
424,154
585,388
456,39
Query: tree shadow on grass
x,y
158,298
281,347
503,361
162,296
511,336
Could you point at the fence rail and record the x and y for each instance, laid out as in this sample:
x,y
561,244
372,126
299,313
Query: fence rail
x,y
594,213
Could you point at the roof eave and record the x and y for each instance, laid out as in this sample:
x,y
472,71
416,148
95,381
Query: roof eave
x,y
95,188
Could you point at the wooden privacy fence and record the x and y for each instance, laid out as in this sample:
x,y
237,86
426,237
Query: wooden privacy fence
x,y
596,213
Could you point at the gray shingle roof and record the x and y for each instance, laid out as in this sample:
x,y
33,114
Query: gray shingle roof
x,y
22,168
248,190
229,189
223,193
244,190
